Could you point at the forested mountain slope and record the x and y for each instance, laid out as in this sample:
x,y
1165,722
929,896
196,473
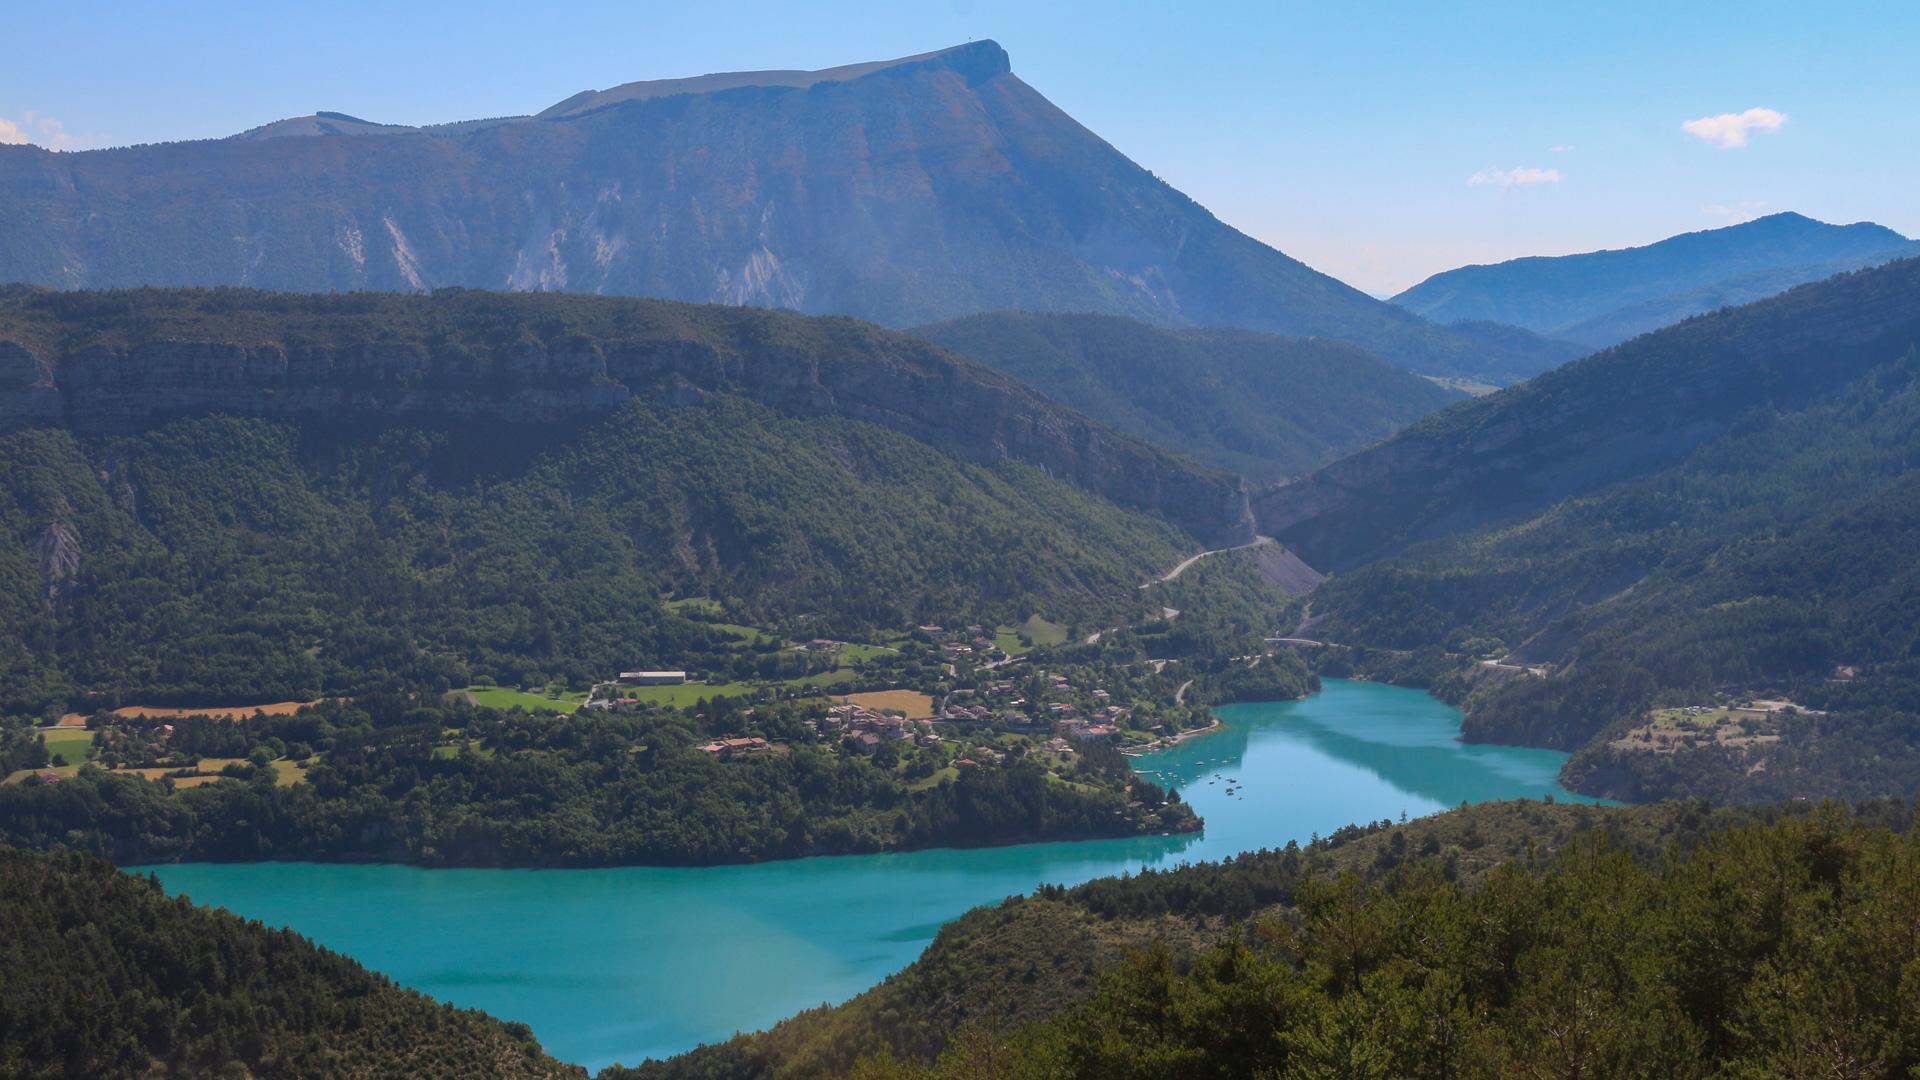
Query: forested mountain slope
x,y
1551,294
1629,411
1618,325
903,192
101,975
1063,953
1772,950
1775,560
427,488
112,362
1267,407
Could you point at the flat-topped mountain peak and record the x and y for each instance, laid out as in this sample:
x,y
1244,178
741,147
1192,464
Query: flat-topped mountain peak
x,y
977,60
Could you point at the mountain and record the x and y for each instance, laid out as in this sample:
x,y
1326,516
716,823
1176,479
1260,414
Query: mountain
x,y
1636,319
102,975
1554,295
1716,513
903,192
1628,411
1764,951
231,496
1267,407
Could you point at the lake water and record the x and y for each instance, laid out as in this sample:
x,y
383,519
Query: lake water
x,y
623,964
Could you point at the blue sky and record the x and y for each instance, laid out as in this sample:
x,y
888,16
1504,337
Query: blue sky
x,y
1346,134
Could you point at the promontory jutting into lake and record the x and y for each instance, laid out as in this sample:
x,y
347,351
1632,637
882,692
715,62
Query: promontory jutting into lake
x,y
622,964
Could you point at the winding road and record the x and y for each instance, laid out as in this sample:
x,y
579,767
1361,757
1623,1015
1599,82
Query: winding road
x,y
1178,570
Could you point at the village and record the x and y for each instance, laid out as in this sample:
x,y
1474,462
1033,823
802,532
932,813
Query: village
x,y
949,699
1738,724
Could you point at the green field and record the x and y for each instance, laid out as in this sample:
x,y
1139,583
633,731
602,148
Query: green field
x,y
694,603
925,782
499,697
825,678
863,652
76,744
750,635
1043,632
679,697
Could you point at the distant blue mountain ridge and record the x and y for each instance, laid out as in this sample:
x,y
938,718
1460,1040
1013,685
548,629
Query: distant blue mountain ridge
x,y
1604,297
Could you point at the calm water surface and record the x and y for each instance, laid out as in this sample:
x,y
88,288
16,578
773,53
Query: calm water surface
x,y
619,965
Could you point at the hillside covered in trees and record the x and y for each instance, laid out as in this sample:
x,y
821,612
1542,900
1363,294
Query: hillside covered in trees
x,y
1772,561
1782,950
390,779
1455,945
231,497
102,975
1267,407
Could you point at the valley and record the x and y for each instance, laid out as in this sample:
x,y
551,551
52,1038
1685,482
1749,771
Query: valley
x,y
844,572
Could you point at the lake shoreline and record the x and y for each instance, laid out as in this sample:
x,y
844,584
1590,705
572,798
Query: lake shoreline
x,y
580,956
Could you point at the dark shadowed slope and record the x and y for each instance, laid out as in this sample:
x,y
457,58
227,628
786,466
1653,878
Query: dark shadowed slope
x,y
916,191
1264,406
1770,555
1631,410
1549,295
102,975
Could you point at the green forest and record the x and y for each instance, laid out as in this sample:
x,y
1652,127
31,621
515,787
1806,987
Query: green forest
x,y
389,779
1767,562
1502,939
1783,950
226,560
104,976
1267,407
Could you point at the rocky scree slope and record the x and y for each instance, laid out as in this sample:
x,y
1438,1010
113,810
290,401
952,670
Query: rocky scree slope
x,y
903,192
118,361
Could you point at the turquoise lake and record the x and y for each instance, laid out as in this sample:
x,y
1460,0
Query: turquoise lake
x,y
624,964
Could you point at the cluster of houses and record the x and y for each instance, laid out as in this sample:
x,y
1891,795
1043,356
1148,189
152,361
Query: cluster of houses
x,y
869,728
972,639
1061,718
739,746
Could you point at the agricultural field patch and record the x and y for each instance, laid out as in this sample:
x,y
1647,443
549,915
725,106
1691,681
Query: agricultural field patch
x,y
1042,632
916,705
500,697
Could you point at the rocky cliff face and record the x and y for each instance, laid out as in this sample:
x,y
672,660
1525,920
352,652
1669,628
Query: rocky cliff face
x,y
788,362
1628,411
903,193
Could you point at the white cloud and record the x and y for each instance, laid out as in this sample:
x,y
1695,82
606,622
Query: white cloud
x,y
1730,130
47,132
1559,149
1507,179
1736,214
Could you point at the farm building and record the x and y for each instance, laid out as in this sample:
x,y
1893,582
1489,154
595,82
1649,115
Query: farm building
x,y
653,678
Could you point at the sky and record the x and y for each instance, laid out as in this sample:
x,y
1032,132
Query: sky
x,y
1377,142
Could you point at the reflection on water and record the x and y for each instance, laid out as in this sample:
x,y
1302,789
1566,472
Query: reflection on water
x,y
634,962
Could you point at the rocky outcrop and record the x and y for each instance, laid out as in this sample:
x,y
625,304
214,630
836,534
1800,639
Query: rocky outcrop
x,y
1628,411
885,379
